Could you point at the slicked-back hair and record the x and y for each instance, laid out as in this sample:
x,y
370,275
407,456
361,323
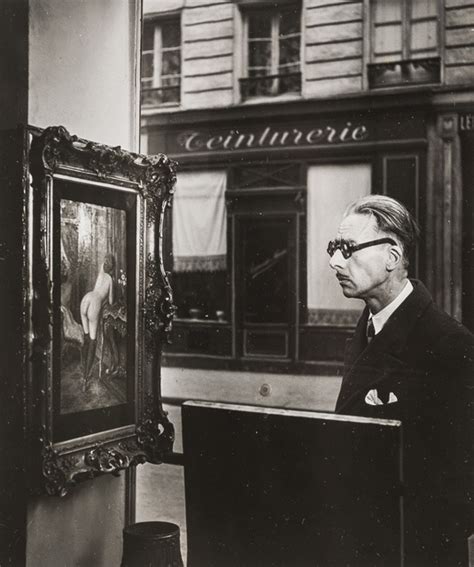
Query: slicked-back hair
x,y
391,217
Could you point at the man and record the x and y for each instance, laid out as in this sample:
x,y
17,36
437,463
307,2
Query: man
x,y
409,360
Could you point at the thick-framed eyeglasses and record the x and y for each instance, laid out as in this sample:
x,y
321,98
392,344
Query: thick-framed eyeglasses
x,y
347,248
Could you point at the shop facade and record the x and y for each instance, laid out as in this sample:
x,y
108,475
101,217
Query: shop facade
x,y
284,175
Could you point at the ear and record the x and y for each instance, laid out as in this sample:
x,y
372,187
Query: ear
x,y
395,257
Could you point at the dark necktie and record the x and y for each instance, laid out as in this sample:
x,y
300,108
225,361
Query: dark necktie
x,y
370,331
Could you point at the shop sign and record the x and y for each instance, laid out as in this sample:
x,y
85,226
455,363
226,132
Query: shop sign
x,y
272,137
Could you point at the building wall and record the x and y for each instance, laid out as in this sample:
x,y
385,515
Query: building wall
x,y
333,50
335,47
459,42
80,76
210,47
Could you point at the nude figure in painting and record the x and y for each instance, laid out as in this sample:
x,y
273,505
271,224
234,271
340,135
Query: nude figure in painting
x,y
91,310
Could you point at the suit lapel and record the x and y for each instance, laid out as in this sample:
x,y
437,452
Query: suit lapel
x,y
385,353
357,344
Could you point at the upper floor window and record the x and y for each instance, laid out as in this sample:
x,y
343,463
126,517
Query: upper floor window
x,y
161,62
404,42
272,56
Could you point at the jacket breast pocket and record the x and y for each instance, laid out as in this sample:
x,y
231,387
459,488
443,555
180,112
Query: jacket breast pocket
x,y
400,396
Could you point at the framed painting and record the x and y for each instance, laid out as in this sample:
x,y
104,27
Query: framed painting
x,y
101,305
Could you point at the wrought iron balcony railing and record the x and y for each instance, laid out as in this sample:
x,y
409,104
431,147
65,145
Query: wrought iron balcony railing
x,y
270,85
161,95
406,72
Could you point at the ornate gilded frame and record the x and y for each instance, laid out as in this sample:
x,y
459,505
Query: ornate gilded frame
x,y
56,157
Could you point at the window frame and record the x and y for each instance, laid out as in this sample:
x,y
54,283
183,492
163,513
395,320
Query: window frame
x,y
407,54
158,50
274,9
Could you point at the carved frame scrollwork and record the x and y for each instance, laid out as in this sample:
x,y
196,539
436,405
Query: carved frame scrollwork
x,y
59,461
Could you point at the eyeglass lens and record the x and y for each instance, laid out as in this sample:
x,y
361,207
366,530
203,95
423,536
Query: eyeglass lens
x,y
342,245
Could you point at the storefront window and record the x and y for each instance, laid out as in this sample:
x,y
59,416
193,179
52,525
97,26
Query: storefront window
x,y
200,279
330,189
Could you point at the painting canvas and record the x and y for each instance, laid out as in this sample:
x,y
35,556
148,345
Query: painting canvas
x,y
93,305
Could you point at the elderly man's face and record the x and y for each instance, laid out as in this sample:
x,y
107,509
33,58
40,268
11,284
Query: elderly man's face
x,y
366,270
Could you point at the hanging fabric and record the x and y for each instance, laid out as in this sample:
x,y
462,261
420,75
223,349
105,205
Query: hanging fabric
x,y
200,222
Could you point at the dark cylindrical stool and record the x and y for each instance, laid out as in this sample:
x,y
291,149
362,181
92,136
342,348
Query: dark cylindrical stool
x,y
151,544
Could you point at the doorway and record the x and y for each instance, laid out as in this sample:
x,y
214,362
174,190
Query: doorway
x,y
265,284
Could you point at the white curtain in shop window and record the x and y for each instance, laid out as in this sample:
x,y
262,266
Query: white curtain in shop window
x,y
200,222
330,189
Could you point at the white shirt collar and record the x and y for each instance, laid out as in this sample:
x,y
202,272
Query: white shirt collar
x,y
382,316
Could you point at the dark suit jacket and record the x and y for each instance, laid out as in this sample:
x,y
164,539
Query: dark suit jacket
x,y
426,359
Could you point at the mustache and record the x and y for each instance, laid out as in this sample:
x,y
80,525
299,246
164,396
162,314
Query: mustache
x,y
342,277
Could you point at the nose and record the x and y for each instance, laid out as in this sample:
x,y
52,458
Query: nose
x,y
337,260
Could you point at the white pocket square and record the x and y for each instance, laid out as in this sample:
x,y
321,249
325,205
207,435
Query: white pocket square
x,y
372,398
392,398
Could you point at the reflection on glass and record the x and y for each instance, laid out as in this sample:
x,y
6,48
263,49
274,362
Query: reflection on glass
x,y
201,295
265,257
290,22
171,34
260,25
93,306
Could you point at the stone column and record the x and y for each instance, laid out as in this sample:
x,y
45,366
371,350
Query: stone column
x,y
444,214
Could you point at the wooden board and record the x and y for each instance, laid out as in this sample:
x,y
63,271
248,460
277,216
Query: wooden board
x,y
268,487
